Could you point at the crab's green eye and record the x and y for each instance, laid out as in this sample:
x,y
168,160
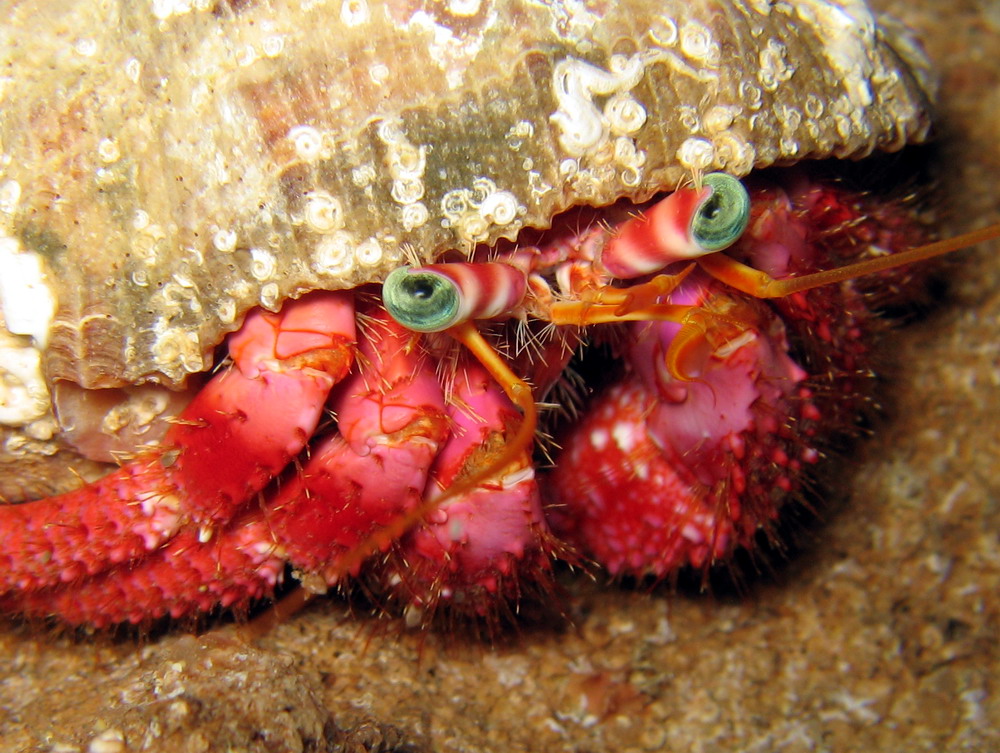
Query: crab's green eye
x,y
723,216
421,301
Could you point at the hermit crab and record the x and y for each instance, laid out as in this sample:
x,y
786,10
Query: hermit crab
x,y
305,271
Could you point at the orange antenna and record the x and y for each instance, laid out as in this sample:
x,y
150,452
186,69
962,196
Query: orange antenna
x,y
752,281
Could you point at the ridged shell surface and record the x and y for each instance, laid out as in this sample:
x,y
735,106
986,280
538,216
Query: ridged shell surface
x,y
165,165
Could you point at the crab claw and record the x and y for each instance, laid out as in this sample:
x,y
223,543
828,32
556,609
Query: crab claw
x,y
325,520
666,472
364,483
479,549
240,431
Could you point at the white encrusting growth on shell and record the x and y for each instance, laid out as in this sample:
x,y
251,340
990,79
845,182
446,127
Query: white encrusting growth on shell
x,y
323,212
27,299
849,28
698,44
473,211
307,141
263,264
24,398
172,346
27,306
576,83
334,254
697,155
369,252
224,240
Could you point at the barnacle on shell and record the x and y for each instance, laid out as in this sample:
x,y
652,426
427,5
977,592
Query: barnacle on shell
x,y
168,166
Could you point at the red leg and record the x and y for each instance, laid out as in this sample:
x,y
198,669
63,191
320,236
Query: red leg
x,y
325,521
476,552
665,472
241,430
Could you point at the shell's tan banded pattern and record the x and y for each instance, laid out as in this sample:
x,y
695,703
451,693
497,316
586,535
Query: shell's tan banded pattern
x,y
166,166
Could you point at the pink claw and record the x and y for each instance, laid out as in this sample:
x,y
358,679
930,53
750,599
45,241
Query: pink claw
x,y
665,472
391,415
392,423
235,436
474,549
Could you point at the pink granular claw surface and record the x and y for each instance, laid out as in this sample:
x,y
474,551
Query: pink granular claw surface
x,y
626,503
225,447
479,547
136,509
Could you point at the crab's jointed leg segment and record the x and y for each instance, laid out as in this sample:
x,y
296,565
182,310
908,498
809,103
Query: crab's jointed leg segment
x,y
239,432
324,521
515,388
447,297
689,224
471,552
759,284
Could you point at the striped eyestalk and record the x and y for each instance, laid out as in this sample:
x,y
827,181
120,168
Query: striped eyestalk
x,y
435,297
687,224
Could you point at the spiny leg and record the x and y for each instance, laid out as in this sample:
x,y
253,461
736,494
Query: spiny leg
x,y
242,429
323,521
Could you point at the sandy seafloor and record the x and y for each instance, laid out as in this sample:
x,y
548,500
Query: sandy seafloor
x,y
881,634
